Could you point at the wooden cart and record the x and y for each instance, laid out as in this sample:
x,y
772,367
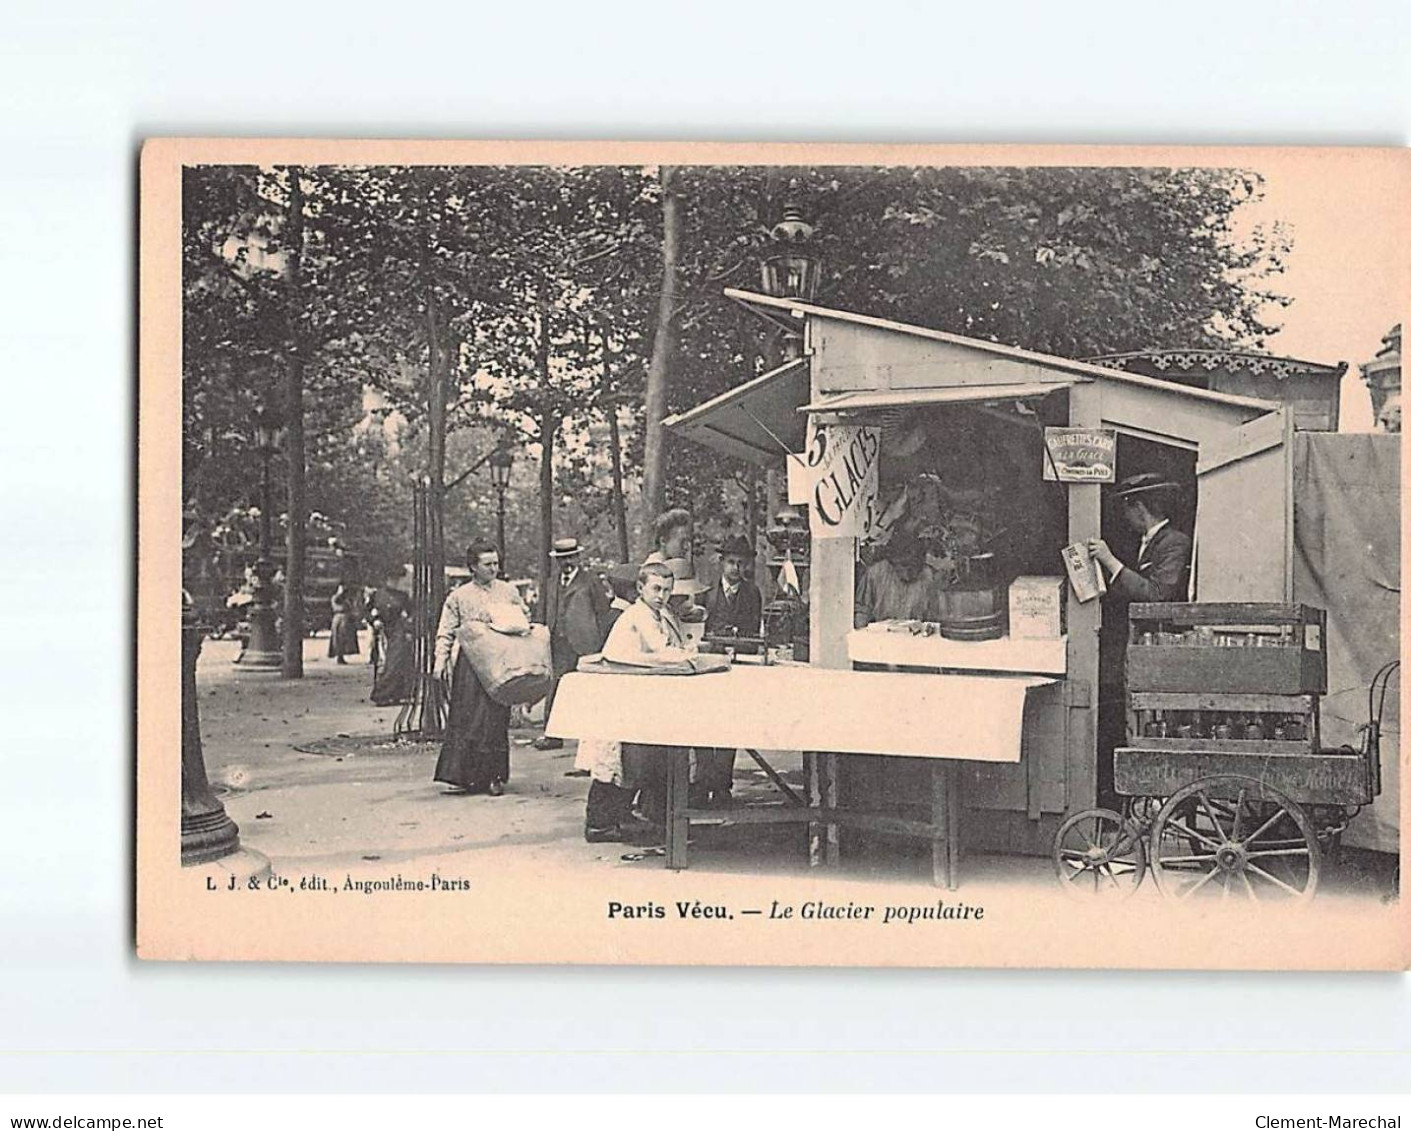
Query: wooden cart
x,y
1226,788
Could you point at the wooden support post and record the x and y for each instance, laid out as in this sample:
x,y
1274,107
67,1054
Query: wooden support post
x,y
678,826
945,820
1084,623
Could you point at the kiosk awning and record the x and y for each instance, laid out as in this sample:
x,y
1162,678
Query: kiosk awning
x,y
878,400
758,421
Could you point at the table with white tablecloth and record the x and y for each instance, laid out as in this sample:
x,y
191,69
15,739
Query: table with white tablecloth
x,y
944,718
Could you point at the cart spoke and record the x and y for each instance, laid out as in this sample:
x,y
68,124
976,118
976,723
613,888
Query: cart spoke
x,y
1258,871
1265,826
1205,879
1239,807
1210,812
1279,852
1249,888
1187,830
1187,860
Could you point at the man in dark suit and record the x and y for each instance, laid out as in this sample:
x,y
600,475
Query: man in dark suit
x,y
733,607
576,612
1163,567
1161,572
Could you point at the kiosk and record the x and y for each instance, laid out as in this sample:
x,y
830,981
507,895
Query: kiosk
x,y
1004,730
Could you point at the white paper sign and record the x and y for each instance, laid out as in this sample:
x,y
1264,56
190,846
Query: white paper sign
x,y
842,462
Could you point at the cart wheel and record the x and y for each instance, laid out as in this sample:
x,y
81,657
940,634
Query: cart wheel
x,y
1232,835
1098,853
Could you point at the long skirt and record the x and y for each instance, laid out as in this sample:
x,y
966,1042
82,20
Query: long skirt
x,y
394,673
476,747
343,638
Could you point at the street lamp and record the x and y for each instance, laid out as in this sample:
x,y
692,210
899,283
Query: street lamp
x,y
501,460
263,649
791,272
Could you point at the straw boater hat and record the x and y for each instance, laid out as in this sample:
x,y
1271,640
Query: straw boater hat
x,y
565,548
1147,483
737,544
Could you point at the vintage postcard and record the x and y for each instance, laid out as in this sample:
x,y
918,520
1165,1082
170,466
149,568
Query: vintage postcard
x,y
771,554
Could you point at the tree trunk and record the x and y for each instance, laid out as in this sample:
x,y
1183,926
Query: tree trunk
x,y
435,455
548,428
619,502
654,461
619,499
293,644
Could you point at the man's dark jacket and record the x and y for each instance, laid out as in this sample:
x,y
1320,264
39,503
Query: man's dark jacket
x,y
741,612
1162,572
577,615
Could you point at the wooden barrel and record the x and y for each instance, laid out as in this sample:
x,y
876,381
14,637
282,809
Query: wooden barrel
x,y
972,614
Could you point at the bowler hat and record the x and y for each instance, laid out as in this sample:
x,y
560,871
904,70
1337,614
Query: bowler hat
x,y
738,545
1146,483
565,548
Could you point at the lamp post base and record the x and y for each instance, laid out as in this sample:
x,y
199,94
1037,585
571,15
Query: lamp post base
x,y
243,868
264,650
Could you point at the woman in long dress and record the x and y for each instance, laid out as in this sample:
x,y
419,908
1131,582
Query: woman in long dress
x,y
475,750
343,636
388,611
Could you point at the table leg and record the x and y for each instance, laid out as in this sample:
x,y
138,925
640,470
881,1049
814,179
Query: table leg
x,y
953,789
815,799
945,841
678,784
830,801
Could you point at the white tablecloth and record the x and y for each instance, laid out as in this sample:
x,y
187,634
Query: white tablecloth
x,y
1007,654
977,718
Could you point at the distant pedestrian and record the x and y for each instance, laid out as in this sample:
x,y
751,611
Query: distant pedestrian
x,y
576,612
389,611
347,614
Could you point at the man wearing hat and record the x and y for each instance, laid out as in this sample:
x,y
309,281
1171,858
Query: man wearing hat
x,y
1163,566
576,613
1161,572
733,607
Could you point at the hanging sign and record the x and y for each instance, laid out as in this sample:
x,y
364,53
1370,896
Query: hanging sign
x,y
841,463
1080,455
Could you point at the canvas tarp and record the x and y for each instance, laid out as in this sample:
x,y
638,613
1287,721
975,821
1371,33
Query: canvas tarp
x,y
1347,560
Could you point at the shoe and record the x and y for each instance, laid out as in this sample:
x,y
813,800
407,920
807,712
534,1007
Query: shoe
x,y
544,742
697,797
602,836
496,788
721,799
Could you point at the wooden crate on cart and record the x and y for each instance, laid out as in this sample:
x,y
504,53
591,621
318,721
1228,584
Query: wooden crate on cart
x,y
1226,785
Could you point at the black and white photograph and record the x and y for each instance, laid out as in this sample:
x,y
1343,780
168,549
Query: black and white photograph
x,y
668,553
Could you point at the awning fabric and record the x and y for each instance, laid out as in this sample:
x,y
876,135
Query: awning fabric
x,y
881,399
1347,560
757,421
795,707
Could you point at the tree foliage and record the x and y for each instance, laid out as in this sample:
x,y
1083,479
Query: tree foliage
x,y
541,290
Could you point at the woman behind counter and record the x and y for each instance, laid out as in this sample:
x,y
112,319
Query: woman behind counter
x,y
475,752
